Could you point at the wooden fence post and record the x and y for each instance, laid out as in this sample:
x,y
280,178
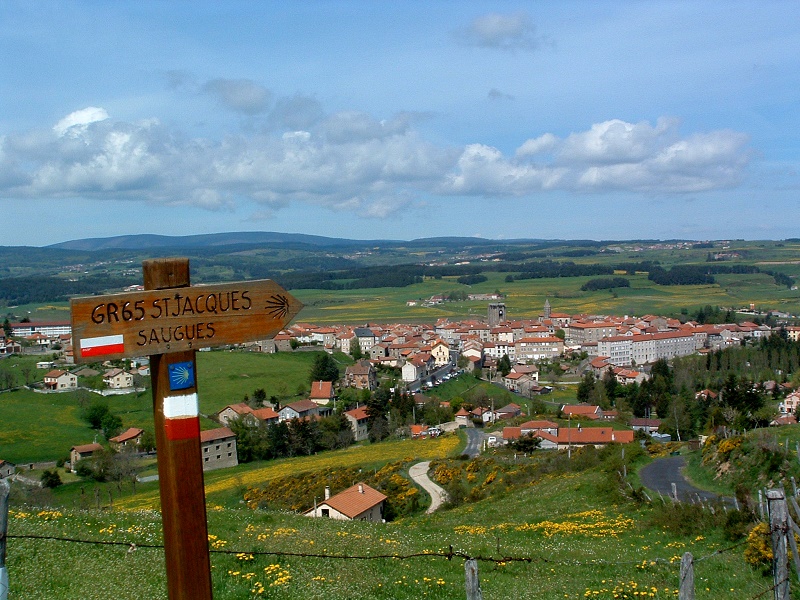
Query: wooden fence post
x,y
686,588
4,489
779,525
472,581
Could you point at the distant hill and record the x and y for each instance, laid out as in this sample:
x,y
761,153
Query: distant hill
x,y
148,241
247,238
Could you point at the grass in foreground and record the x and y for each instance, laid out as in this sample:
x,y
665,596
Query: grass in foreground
x,y
577,542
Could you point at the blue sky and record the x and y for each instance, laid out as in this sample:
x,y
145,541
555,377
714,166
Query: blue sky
x,y
400,120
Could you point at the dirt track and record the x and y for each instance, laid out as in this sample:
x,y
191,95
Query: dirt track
x,y
419,473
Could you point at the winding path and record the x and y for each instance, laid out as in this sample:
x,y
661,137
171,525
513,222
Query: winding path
x,y
419,473
660,474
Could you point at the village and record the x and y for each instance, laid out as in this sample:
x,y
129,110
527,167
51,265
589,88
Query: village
x,y
527,357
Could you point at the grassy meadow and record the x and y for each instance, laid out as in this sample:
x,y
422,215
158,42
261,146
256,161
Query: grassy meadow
x,y
575,541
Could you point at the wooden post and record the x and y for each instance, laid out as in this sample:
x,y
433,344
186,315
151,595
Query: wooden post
x,y
761,505
686,588
779,525
180,467
4,489
473,583
674,492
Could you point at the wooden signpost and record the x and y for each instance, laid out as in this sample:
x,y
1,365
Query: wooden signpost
x,y
169,321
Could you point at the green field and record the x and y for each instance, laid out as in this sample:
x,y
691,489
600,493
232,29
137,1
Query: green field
x,y
38,427
525,298
573,539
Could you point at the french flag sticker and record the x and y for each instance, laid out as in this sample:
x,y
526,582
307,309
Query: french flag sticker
x,y
100,346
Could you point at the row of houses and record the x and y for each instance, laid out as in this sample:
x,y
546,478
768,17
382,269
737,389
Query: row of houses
x,y
555,437
217,447
114,379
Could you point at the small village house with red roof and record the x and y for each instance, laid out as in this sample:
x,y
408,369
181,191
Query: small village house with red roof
x,y
790,403
127,440
60,380
463,418
649,426
218,448
586,411
483,413
322,392
81,452
117,379
783,420
575,437
418,431
359,422
357,503
509,411
242,410
302,409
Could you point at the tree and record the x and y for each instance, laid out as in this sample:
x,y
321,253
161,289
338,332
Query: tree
x,y
324,368
51,479
355,349
111,425
7,328
586,387
148,443
377,408
527,443
612,386
260,396
94,414
504,365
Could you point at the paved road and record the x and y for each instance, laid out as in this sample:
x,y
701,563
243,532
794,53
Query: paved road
x,y
474,442
419,473
660,474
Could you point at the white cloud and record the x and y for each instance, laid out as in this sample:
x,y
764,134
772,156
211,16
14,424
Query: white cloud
x,y
502,31
351,161
75,123
617,141
544,143
613,155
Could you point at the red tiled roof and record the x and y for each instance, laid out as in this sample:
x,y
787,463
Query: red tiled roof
x,y
355,500
322,390
131,434
220,433
359,414
83,449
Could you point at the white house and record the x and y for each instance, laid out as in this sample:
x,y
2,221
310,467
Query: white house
x,y
357,503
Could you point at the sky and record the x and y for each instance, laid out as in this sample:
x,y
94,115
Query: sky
x,y
604,120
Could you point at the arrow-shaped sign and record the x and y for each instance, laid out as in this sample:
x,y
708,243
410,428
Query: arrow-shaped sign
x,y
160,322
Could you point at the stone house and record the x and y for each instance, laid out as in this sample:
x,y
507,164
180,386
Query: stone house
x,y
218,448
361,375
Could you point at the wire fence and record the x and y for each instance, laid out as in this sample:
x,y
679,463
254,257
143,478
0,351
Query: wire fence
x,y
448,555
